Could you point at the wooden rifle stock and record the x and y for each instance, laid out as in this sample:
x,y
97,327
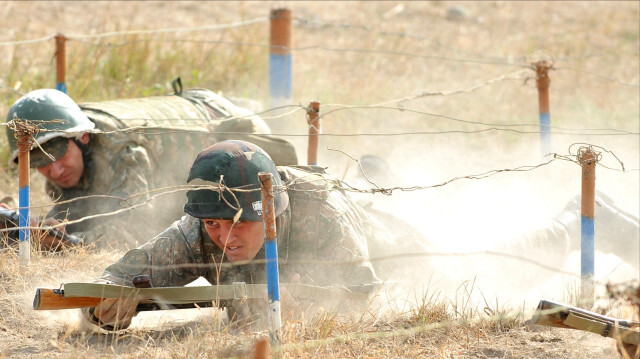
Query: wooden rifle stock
x,y
54,299
565,316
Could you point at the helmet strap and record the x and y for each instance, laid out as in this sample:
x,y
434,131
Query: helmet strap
x,y
86,151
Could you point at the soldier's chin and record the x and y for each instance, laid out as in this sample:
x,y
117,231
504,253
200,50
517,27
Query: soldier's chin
x,y
67,181
237,257
67,184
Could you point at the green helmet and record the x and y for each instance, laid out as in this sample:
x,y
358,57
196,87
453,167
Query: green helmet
x,y
55,114
235,164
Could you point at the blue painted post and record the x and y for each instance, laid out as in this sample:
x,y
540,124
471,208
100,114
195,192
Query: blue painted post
x,y
313,119
24,146
61,63
588,162
271,254
543,81
280,61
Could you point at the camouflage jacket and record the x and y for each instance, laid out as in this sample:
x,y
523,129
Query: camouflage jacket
x,y
139,148
320,236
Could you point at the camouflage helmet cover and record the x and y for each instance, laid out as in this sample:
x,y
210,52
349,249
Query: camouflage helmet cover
x,y
234,164
53,112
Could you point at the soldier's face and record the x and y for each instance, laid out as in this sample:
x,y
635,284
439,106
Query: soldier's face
x,y
67,170
240,241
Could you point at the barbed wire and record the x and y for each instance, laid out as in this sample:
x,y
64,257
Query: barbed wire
x,y
508,76
129,202
142,32
592,73
480,60
333,108
319,23
132,202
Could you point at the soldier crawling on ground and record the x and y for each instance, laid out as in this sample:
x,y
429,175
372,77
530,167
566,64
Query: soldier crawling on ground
x,y
102,157
322,233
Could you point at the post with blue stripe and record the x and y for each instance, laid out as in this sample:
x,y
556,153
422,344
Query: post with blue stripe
x,y
271,254
313,120
61,62
280,62
588,160
543,81
24,146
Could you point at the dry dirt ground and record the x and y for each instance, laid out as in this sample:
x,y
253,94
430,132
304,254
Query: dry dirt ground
x,y
433,68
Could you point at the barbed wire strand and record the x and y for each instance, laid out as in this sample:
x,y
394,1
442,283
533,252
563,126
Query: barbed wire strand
x,y
206,122
315,47
143,32
127,202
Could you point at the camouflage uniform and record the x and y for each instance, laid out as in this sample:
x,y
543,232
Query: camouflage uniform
x,y
163,135
320,236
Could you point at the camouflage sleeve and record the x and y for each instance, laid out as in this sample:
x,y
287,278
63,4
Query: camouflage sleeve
x,y
172,258
339,255
121,176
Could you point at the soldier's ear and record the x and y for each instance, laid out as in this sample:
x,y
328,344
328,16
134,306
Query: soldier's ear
x,y
84,138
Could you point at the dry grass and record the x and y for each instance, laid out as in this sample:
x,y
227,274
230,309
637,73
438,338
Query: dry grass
x,y
594,45
433,327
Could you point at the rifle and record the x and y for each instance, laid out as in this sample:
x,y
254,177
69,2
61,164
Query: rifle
x,y
57,239
86,295
558,315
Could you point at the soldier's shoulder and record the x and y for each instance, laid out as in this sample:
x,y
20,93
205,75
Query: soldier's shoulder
x,y
307,181
305,176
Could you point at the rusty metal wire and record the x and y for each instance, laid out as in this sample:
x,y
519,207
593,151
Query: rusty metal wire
x,y
24,129
477,58
141,199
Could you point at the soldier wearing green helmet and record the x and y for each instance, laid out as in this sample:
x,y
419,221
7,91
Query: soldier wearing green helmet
x,y
322,234
105,161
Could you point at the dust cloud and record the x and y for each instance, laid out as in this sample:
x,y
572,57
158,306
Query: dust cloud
x,y
507,240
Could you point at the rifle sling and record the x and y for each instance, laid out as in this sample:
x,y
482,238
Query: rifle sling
x,y
184,295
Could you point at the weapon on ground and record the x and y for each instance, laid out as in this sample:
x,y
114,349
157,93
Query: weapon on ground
x,y
60,238
558,315
86,295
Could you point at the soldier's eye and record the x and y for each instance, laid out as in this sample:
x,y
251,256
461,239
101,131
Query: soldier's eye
x,y
211,223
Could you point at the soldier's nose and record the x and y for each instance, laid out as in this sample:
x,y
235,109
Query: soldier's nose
x,y
55,170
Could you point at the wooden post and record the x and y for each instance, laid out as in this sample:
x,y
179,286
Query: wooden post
x,y
588,161
271,254
61,62
24,148
313,119
543,81
262,349
280,61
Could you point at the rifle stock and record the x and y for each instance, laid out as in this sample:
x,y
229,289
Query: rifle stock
x,y
11,219
54,299
558,315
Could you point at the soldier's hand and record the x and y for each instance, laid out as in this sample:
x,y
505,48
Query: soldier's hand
x,y
116,313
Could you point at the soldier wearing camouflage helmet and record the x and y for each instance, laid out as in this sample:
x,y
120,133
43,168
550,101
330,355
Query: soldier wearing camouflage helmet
x,y
321,239
104,157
